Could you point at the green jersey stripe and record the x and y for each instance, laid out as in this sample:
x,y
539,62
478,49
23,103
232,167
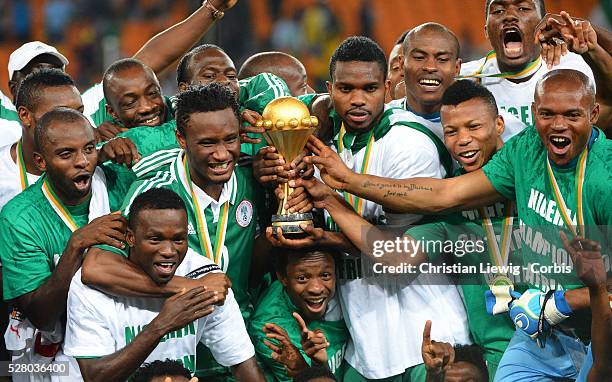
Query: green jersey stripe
x,y
153,161
160,179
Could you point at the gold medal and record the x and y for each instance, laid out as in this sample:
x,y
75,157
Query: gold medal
x,y
501,280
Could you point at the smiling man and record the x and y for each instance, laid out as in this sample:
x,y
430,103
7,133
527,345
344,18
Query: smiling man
x,y
514,66
306,285
430,63
221,198
564,150
112,336
133,95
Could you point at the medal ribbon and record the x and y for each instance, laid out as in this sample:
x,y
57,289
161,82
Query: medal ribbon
x,y
58,206
23,175
500,252
205,242
353,200
562,206
529,70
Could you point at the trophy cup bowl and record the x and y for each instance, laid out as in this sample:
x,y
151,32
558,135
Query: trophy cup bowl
x,y
288,124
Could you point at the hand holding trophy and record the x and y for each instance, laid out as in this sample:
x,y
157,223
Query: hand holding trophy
x,y
288,125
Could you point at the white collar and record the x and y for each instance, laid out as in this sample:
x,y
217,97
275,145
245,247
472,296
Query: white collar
x,y
228,193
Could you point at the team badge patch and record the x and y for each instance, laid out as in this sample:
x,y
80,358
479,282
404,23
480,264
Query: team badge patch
x,y
244,213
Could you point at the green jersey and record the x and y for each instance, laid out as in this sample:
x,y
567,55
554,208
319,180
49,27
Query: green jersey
x,y
33,235
240,194
276,307
150,139
547,264
255,94
491,333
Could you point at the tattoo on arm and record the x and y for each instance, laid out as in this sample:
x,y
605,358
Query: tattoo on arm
x,y
395,189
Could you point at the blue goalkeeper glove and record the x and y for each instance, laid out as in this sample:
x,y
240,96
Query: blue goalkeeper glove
x,y
499,298
525,311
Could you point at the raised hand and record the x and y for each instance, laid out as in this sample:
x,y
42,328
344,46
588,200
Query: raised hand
x,y
333,171
269,166
120,151
183,308
108,229
251,117
557,33
437,356
284,351
313,342
315,236
320,194
526,310
586,256
299,200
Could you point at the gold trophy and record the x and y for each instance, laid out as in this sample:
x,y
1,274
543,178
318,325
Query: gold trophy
x,y
288,125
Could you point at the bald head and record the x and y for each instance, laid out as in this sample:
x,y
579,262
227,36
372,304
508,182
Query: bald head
x,y
580,81
283,65
431,28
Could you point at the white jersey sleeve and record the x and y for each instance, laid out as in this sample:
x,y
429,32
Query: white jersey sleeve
x,y
10,127
88,334
471,67
576,62
512,124
223,331
94,104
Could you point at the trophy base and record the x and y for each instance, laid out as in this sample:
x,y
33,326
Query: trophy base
x,y
290,224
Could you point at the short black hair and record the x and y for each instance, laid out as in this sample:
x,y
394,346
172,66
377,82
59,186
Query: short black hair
x,y
464,90
60,114
318,371
539,5
119,66
203,99
181,69
283,254
471,354
436,27
155,199
28,93
402,37
358,48
170,368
